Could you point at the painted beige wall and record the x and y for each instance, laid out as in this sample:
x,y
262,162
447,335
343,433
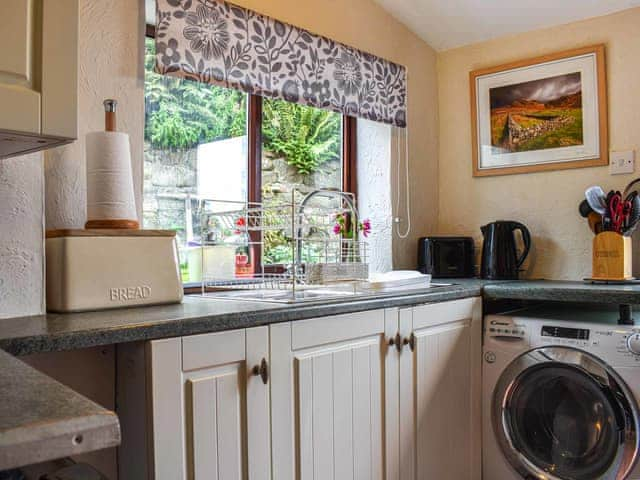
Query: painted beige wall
x,y
365,25
546,202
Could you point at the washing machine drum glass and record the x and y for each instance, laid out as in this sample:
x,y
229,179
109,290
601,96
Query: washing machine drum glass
x,y
562,413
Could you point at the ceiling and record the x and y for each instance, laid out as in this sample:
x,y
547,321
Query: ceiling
x,y
446,24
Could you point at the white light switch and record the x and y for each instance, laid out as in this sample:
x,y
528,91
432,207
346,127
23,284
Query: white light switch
x,y
622,162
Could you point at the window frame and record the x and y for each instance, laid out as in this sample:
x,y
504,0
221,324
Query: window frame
x,y
254,159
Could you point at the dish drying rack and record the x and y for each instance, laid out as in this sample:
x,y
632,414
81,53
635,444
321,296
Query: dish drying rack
x,y
318,255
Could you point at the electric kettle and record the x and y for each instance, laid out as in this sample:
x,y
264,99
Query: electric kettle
x,y
500,259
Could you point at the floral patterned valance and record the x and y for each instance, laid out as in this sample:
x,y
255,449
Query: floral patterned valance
x,y
219,43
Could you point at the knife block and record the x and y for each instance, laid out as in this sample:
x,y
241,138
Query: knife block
x,y
612,257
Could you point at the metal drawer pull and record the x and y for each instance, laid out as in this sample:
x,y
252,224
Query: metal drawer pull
x,y
411,341
397,341
262,370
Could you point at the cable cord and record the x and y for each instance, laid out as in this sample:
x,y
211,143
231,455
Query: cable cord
x,y
399,181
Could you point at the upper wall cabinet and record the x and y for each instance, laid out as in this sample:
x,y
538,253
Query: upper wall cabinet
x,y
38,74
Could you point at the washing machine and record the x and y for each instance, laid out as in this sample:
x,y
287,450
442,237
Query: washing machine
x,y
561,388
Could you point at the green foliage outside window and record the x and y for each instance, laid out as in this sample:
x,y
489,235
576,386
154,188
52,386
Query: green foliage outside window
x,y
307,137
183,114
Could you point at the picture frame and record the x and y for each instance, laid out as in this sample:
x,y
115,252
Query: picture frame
x,y
540,114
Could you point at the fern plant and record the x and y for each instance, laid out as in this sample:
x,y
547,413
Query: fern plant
x,y
307,137
181,113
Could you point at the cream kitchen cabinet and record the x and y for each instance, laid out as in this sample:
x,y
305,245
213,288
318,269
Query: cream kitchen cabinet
x,y
334,397
210,406
440,387
383,394
38,74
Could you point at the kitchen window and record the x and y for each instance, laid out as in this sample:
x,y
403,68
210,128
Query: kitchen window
x,y
208,142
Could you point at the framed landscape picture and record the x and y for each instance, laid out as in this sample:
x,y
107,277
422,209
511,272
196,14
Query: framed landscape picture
x,y
546,113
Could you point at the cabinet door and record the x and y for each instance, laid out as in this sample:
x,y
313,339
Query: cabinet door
x,y
330,397
19,95
210,411
39,67
440,391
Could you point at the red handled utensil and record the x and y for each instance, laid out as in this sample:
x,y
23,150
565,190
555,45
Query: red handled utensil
x,y
619,211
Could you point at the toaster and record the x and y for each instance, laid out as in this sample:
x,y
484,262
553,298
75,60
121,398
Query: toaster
x,y
446,257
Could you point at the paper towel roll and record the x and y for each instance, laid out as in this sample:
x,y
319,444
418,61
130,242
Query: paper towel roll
x,y
110,194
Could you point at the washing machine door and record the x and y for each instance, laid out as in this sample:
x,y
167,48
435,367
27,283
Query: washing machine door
x,y
562,414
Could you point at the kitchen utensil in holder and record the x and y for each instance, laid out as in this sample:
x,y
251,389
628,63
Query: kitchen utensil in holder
x,y
612,257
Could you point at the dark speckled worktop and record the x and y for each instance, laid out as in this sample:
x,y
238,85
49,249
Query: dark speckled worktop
x,y
41,419
559,291
53,332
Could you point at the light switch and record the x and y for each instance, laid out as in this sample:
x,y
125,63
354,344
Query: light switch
x,y
622,162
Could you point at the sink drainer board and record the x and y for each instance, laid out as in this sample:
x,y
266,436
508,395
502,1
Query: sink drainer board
x,y
232,245
352,291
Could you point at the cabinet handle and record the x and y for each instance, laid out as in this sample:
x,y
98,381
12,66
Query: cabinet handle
x,y
411,341
397,341
262,371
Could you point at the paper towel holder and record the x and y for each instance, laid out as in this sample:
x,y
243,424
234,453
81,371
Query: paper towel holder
x,y
110,125
110,106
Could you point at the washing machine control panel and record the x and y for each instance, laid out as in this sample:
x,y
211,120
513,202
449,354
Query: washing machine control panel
x,y
556,331
505,328
561,335
618,345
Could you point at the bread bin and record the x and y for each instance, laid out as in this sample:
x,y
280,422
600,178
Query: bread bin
x,y
104,269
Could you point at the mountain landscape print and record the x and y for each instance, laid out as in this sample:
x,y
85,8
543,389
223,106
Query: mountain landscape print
x,y
537,115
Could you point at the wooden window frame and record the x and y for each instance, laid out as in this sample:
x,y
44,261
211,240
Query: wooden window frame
x,y
254,157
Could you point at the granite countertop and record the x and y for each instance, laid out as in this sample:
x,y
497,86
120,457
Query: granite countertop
x,y
41,419
54,332
562,291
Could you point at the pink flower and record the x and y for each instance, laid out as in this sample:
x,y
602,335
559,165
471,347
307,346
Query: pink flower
x,y
365,226
337,229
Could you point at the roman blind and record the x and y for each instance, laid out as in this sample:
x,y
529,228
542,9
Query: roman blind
x,y
216,42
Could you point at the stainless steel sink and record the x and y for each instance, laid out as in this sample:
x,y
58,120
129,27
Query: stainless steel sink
x,y
311,295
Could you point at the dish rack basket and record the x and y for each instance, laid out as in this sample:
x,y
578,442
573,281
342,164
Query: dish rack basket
x,y
237,236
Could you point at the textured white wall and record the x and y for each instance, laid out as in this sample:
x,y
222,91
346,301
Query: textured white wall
x,y
111,53
111,66
21,236
374,190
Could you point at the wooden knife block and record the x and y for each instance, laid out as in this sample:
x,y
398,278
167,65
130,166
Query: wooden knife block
x,y
612,257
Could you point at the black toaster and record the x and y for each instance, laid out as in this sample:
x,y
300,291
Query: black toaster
x,y
446,257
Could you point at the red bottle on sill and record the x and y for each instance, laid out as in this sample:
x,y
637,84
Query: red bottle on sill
x,y
244,267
